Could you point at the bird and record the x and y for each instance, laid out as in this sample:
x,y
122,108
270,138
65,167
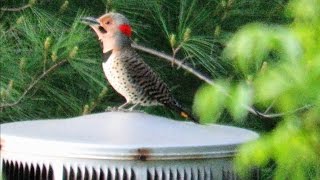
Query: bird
x,y
125,69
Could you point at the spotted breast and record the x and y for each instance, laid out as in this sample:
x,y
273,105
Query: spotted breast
x,y
130,76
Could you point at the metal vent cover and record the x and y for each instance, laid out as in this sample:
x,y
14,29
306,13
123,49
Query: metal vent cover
x,y
19,170
119,146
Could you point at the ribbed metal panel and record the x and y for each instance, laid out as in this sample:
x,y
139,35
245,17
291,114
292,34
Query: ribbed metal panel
x,y
100,173
16,170
180,173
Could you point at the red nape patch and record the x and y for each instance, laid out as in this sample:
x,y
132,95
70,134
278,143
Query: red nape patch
x,y
126,29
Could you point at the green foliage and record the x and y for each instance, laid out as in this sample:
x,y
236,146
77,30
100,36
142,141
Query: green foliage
x,y
241,97
254,43
209,101
278,70
35,42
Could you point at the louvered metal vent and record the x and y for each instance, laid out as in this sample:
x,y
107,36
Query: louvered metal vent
x,y
181,173
119,146
84,173
15,170
19,170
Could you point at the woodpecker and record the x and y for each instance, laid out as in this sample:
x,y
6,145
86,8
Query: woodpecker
x,y
125,70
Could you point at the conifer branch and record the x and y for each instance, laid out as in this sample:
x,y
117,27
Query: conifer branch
x,y
88,108
174,61
33,84
275,115
16,9
270,106
180,63
174,53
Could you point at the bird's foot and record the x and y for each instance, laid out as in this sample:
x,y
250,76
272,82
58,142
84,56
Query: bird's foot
x,y
123,110
130,110
137,110
117,109
111,109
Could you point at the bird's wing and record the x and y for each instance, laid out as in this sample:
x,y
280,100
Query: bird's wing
x,y
148,81
152,86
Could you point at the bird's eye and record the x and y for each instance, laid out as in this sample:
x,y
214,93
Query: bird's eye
x,y
108,22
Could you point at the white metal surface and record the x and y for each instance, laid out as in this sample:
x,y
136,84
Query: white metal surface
x,y
121,143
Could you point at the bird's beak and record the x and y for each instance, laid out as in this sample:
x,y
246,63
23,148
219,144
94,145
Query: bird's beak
x,y
90,21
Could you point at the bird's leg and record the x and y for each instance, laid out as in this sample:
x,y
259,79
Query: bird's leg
x,y
118,108
123,105
132,107
111,109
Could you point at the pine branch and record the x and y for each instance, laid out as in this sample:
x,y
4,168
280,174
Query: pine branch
x,y
88,108
180,63
270,106
16,9
33,84
174,61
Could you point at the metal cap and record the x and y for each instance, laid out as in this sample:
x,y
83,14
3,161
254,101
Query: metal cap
x,y
122,135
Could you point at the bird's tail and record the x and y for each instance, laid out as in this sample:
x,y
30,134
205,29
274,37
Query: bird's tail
x,y
185,114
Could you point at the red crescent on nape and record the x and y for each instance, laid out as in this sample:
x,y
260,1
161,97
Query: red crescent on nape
x,y
126,29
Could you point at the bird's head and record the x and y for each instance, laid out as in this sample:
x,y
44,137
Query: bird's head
x,y
113,30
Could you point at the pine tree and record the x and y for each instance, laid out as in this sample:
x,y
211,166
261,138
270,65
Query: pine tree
x,y
50,63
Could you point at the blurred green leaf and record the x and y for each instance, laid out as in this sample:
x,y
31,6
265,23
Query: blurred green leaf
x,y
253,154
255,43
305,10
210,101
241,97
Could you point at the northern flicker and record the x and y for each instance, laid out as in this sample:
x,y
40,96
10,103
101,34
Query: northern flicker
x,y
125,70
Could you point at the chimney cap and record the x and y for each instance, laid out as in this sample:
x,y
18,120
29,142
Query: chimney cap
x,y
123,135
